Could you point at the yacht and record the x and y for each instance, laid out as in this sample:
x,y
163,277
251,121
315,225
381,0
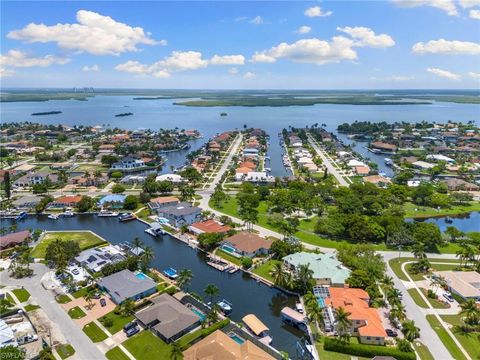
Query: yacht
x,y
53,216
225,307
107,213
68,213
126,217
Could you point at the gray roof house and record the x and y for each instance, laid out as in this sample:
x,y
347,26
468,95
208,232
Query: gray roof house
x,y
125,285
26,202
181,214
168,318
95,259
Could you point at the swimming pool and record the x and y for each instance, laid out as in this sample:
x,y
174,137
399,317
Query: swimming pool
x,y
321,302
198,312
236,338
141,276
228,249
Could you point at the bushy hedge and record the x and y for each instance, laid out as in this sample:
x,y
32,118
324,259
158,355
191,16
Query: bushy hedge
x,y
186,340
368,351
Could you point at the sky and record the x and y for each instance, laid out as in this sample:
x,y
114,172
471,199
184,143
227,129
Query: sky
x,y
390,44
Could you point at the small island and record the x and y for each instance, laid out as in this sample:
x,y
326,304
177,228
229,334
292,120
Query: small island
x,y
124,114
46,113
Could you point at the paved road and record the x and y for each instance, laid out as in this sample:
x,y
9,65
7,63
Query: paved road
x,y
331,169
84,347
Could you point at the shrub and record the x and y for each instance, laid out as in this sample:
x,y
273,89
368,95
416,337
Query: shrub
x,y
116,175
118,189
368,351
107,322
186,340
247,262
431,294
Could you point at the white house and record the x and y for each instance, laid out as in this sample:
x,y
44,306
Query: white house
x,y
439,157
175,178
259,177
128,163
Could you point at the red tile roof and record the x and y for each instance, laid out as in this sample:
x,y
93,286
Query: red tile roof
x,y
14,238
68,199
211,226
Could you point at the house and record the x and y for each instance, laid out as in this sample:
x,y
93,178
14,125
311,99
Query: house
x,y
463,283
423,165
259,177
14,239
241,173
175,178
128,164
168,318
247,244
377,180
460,184
26,202
327,270
439,157
125,285
362,170
252,152
162,202
180,214
209,226
112,201
219,346
65,201
106,148
96,258
311,167
90,180
365,321
382,146
35,178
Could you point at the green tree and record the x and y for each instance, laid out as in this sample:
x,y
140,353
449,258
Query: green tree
x,y
184,278
118,189
212,291
187,192
176,351
209,241
85,204
7,185
343,324
130,202
410,331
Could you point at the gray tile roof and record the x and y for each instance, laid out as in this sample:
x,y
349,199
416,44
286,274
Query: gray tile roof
x,y
181,209
124,284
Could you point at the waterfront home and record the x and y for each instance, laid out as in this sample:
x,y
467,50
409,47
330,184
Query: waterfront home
x,y
365,321
112,201
220,346
65,201
209,226
96,258
362,170
26,202
247,244
378,180
463,283
162,202
14,239
382,146
311,167
133,179
455,184
423,165
180,214
174,178
168,318
128,164
327,270
250,152
125,285
106,148
36,178
248,164
439,157
241,173
259,177
89,180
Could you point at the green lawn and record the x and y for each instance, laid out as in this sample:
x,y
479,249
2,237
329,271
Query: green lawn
x,y
85,240
94,332
228,257
264,269
65,350
395,264
76,313
63,299
422,351
424,211
470,342
119,321
445,338
116,354
21,294
331,355
146,346
31,307
436,304
417,298
80,293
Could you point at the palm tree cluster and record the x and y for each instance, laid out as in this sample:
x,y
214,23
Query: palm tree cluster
x,y
469,255
301,280
394,298
313,309
470,314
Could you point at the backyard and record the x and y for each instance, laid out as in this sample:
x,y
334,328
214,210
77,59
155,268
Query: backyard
x,y
264,269
117,321
146,346
85,239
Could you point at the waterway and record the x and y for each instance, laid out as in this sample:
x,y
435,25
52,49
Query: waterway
x,y
156,114
246,294
466,223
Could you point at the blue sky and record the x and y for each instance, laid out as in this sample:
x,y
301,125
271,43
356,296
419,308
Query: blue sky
x,y
304,45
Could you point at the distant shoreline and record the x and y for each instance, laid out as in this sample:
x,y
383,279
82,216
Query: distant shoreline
x,y
46,113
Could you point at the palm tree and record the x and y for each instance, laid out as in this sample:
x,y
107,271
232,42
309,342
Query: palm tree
x,y
410,331
128,307
343,323
137,243
147,255
89,296
212,316
184,278
278,274
176,351
315,313
304,275
211,290
393,296
470,311
398,312
418,250
387,281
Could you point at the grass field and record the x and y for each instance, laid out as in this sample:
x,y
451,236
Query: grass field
x,y
146,346
330,355
21,294
264,269
417,298
63,299
94,332
424,211
119,321
85,240
116,354
470,342
65,350
76,313
422,351
445,338
228,257
395,264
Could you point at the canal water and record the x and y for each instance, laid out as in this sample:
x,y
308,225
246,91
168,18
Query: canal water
x,y
246,295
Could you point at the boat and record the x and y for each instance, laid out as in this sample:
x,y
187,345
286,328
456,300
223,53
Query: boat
x,y
155,229
299,307
171,273
267,157
223,114
388,161
257,329
268,170
294,317
107,213
126,217
21,216
53,216
225,307
68,213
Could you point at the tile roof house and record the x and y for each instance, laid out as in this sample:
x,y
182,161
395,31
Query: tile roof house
x,y
35,178
13,239
366,322
380,145
463,283
168,318
26,202
377,180
209,226
65,201
248,244
180,214
162,201
126,285
219,346
460,184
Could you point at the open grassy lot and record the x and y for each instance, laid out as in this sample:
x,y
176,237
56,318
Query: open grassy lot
x,y
94,332
85,240
436,303
422,351
470,341
65,350
118,321
445,338
264,269
228,257
76,313
116,354
395,264
80,293
425,211
31,307
21,294
330,355
146,346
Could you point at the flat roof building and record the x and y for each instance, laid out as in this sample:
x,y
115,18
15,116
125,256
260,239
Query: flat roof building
x,y
463,283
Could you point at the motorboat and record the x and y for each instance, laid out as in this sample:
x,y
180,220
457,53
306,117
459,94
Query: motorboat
x,y
388,161
257,329
68,213
53,216
107,213
171,273
155,229
21,215
126,217
225,306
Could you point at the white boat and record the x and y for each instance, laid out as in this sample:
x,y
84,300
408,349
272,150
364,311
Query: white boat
x,y
53,216
268,170
225,306
106,213
155,229
257,328
68,213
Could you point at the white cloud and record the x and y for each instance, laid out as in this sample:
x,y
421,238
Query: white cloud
x,y
18,58
227,60
316,11
447,47
262,57
94,33
4,72
93,68
366,37
469,3
304,29
444,73
241,18
257,20
474,14
474,75
398,78
447,6
249,75
233,71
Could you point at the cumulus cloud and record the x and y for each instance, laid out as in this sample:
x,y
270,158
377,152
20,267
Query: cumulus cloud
x,y
366,37
93,33
233,71
474,75
304,29
18,58
316,11
178,61
447,47
474,14
444,74
93,68
447,6
469,3
249,75
257,20
4,72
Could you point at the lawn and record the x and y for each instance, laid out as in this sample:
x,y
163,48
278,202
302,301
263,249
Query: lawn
x,y
436,304
63,299
31,307
331,355
146,346
422,351
76,313
116,354
396,264
65,350
228,257
445,338
21,294
94,332
424,211
85,240
470,341
264,269
417,298
119,321
80,293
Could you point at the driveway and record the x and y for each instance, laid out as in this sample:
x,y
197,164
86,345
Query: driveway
x,y
93,313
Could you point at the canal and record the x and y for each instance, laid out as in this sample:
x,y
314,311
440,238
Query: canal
x,y
246,294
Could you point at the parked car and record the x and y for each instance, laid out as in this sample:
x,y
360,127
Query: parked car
x,y
75,272
391,333
132,331
448,297
130,325
103,302
96,295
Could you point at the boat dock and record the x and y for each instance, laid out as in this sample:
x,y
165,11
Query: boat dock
x,y
222,265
